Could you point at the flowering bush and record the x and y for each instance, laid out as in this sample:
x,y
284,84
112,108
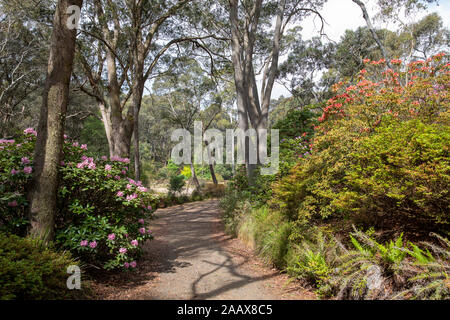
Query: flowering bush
x,y
342,166
101,212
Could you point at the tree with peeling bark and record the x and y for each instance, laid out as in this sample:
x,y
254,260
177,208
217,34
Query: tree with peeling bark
x,y
49,142
249,22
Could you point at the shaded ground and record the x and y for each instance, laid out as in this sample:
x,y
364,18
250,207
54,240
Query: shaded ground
x,y
192,258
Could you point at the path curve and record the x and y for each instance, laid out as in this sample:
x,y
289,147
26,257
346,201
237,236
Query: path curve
x,y
192,258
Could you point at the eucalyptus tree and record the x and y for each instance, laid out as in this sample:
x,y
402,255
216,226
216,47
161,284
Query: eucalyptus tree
x,y
258,37
49,141
123,41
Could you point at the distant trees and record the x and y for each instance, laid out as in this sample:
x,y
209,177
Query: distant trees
x,y
22,62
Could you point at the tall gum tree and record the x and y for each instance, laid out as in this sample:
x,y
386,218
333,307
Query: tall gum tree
x,y
245,29
49,142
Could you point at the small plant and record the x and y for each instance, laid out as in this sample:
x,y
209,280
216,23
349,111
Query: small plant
x,y
176,183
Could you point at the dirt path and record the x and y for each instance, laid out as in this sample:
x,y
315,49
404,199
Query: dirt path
x,y
192,258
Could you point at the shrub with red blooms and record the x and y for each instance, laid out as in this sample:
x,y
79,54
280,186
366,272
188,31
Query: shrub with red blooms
x,y
101,212
354,171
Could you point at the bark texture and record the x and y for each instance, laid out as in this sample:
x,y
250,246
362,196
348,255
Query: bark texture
x,y
49,143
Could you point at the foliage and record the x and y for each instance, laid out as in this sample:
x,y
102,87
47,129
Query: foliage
x,y
379,115
404,167
101,212
30,270
176,183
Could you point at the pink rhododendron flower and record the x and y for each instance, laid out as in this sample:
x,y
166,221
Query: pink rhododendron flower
x,y
93,244
111,236
126,265
141,221
80,165
14,171
30,131
149,207
134,242
124,172
91,166
132,197
142,189
84,243
5,141
117,177
142,230
12,204
28,170
75,144
120,194
148,231
104,158
25,160
108,167
84,146
123,250
133,264
129,186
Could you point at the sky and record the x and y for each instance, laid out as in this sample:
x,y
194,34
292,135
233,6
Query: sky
x,y
341,15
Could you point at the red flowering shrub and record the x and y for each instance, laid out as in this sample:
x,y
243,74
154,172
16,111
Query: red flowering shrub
x,y
377,104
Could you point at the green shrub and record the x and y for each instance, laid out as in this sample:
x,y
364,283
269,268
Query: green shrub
x,y
380,154
401,172
29,270
176,183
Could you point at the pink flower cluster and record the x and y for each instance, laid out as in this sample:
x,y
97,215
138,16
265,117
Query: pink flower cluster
x,y
132,264
119,159
132,197
87,162
6,141
30,131
84,243
26,170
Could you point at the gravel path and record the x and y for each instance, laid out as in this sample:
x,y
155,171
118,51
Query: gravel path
x,y
192,258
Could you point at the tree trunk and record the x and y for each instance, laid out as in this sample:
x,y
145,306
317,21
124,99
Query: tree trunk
x,y
138,92
211,166
373,32
194,177
48,150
